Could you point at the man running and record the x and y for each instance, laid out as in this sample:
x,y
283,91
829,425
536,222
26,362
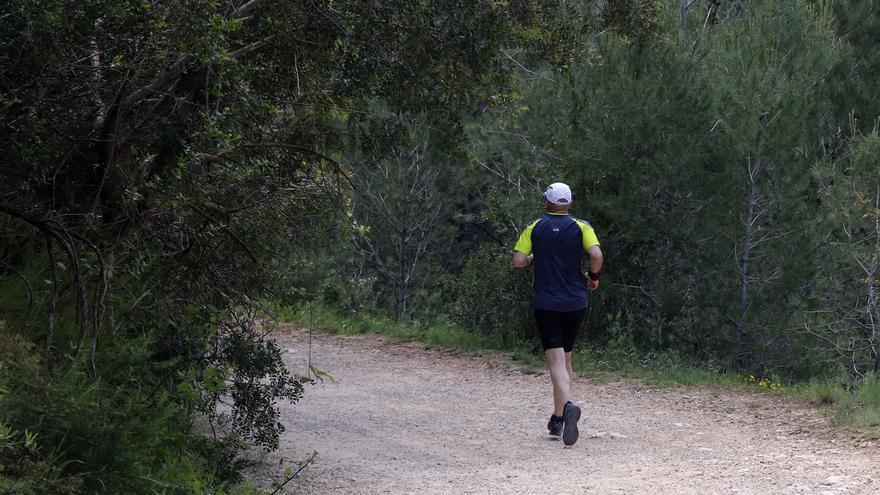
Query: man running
x,y
556,244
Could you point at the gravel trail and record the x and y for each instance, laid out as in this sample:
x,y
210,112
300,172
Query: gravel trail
x,y
404,419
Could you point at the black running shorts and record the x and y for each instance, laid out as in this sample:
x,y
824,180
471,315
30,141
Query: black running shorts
x,y
559,328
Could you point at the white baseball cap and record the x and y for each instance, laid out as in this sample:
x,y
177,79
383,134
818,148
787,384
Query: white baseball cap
x,y
558,193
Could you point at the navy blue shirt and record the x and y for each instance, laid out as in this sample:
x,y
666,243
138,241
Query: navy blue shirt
x,y
559,243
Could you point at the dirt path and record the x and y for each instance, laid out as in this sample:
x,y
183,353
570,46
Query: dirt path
x,y
402,419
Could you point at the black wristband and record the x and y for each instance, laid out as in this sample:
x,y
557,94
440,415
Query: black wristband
x,y
594,276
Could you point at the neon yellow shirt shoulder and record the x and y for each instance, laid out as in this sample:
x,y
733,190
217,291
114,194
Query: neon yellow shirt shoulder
x,y
588,234
524,244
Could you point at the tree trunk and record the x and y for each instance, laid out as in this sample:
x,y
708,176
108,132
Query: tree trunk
x,y
871,286
749,223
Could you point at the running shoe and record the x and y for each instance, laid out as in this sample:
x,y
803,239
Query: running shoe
x,y
554,426
570,416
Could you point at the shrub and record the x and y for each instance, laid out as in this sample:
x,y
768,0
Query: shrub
x,y
492,297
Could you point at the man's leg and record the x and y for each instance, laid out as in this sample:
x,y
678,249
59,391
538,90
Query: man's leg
x,y
570,328
570,374
571,413
559,375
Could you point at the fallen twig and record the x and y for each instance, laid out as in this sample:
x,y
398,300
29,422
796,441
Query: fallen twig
x,y
294,475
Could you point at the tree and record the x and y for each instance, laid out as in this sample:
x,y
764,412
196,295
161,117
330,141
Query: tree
x,y
157,159
396,211
779,61
849,323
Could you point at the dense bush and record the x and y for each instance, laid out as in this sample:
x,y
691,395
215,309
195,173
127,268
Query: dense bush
x,y
491,296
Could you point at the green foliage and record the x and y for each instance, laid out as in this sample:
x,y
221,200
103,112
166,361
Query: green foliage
x,y
636,21
396,208
657,140
864,411
70,434
161,162
491,297
848,290
704,143
857,23
824,392
434,333
852,406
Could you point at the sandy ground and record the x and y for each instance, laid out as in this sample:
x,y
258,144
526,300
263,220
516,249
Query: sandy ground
x,y
403,419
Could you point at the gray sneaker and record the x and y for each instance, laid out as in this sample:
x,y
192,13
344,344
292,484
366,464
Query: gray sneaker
x,y
570,416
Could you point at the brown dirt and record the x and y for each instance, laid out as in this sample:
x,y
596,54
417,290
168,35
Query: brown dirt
x,y
404,419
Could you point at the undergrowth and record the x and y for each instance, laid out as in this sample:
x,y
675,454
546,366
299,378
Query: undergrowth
x,y
855,406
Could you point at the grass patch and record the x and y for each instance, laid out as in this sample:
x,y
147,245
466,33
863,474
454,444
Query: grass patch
x,y
435,334
824,393
852,407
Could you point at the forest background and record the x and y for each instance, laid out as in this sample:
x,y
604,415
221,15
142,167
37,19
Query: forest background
x,y
173,173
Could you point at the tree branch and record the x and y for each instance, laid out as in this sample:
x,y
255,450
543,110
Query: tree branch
x,y
246,8
172,73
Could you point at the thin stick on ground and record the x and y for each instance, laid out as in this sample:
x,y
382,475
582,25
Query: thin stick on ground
x,y
294,475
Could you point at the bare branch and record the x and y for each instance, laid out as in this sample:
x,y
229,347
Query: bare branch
x,y
247,8
248,49
296,473
169,75
229,232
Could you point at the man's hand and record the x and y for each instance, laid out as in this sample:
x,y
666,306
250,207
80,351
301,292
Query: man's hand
x,y
520,260
592,284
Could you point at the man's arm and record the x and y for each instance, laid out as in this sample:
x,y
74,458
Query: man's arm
x,y
596,260
522,252
521,260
